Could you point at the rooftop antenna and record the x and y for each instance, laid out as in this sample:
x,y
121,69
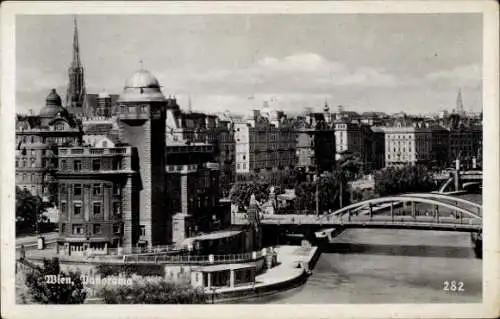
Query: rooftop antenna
x,y
190,109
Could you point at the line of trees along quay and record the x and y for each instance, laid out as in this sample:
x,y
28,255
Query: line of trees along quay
x,y
333,187
393,181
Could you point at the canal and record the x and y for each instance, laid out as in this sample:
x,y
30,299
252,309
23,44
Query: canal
x,y
391,266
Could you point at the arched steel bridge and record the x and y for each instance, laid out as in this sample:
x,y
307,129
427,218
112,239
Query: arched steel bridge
x,y
426,211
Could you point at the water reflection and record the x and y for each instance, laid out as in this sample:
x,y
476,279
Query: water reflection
x,y
400,250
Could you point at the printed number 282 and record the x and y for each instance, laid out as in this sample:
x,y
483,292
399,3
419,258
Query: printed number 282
x,y
453,286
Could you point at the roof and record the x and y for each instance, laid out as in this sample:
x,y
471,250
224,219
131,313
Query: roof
x,y
213,268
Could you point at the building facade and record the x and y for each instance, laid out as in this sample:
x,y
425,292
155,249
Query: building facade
x,y
37,140
315,143
265,145
407,145
97,190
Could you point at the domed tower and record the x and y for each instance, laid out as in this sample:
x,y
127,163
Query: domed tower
x,y
53,107
141,117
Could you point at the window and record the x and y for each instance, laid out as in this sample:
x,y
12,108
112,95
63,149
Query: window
x,y
17,163
116,209
77,190
24,163
96,165
77,229
63,208
104,143
59,127
97,229
63,164
143,230
117,164
96,208
24,177
116,229
77,208
96,189
63,189
77,165
116,189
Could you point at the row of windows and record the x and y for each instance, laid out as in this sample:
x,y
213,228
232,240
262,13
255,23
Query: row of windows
x,y
96,208
96,165
43,139
80,229
96,189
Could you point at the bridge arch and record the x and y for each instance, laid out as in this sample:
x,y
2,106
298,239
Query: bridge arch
x,y
403,198
446,197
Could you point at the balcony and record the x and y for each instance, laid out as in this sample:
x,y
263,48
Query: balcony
x,y
92,151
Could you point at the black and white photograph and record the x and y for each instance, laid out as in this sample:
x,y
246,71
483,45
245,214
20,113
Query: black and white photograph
x,y
315,158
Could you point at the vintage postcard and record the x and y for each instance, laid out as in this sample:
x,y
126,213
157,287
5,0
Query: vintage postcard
x,y
264,159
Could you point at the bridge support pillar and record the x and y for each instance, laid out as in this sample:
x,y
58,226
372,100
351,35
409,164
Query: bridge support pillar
x,y
477,242
371,210
413,209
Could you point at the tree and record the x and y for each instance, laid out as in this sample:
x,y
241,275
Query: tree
x,y
44,288
406,179
240,192
29,211
330,188
152,292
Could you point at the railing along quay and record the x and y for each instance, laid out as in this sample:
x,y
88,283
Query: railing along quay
x,y
191,259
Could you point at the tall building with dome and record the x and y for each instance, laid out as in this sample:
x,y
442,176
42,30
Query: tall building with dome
x,y
141,118
37,140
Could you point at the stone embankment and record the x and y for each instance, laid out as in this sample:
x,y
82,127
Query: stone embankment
x,y
294,266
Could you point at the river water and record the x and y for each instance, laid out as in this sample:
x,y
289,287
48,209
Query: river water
x,y
391,266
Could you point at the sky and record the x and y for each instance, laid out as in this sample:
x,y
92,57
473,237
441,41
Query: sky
x,y
414,63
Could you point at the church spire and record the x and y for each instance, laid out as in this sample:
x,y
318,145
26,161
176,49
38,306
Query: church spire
x,y
76,47
460,103
75,95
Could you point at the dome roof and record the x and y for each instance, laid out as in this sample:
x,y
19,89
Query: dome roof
x,y
52,105
144,79
142,86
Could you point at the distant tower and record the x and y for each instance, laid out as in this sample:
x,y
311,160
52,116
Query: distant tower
x,y
460,103
75,96
141,117
103,104
190,107
327,113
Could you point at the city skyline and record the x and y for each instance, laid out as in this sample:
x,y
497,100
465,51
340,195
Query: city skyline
x,y
308,66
